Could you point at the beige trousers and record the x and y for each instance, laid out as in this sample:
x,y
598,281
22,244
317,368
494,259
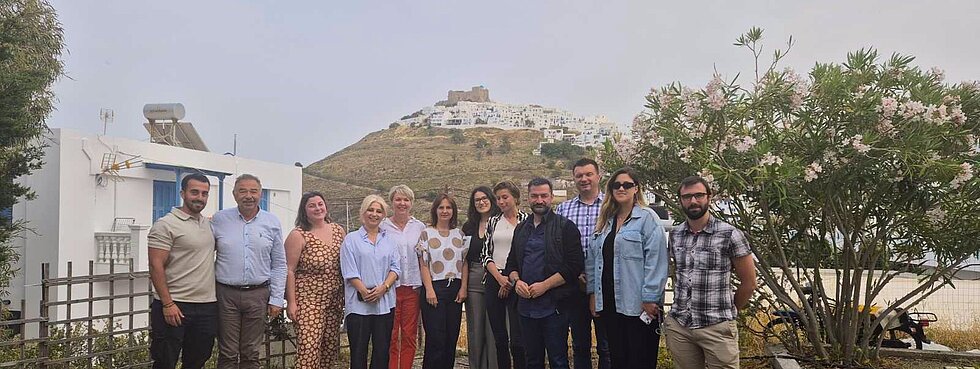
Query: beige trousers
x,y
714,346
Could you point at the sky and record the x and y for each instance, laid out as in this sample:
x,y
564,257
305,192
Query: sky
x,y
298,80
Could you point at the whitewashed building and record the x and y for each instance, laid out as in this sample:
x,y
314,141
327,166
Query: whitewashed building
x,y
87,209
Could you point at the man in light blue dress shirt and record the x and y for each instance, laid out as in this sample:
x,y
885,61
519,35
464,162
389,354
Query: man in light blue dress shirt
x,y
250,269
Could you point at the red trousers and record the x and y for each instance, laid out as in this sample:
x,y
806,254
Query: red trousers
x,y
404,334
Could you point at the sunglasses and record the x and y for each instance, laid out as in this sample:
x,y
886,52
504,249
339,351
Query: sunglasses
x,y
623,185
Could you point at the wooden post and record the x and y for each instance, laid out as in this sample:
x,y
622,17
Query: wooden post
x,y
42,332
91,301
132,307
68,330
112,309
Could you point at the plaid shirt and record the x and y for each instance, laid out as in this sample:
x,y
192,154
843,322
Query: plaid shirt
x,y
703,293
583,215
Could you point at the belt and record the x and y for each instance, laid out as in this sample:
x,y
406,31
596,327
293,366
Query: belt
x,y
246,287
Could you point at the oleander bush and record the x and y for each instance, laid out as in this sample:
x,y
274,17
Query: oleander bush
x,y
866,167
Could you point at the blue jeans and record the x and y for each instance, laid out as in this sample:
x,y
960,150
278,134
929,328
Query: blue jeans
x,y
546,334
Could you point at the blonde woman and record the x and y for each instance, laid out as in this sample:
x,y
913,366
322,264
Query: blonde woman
x,y
369,263
405,230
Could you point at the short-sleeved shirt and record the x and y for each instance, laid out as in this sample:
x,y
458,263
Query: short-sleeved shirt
x,y
406,239
445,255
533,272
703,294
189,267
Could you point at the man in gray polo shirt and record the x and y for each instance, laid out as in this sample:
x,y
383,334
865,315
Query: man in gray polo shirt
x,y
184,311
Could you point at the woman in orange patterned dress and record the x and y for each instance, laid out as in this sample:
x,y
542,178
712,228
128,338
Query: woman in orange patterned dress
x,y
314,285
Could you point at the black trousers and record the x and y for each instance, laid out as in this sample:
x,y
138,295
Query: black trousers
x,y
502,314
580,321
373,329
194,337
633,344
441,325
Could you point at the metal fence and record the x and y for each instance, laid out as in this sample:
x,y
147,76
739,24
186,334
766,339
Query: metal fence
x,y
97,320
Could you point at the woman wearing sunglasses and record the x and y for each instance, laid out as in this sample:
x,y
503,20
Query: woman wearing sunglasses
x,y
626,270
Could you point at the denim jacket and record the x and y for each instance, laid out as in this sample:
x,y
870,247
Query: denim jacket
x,y
639,265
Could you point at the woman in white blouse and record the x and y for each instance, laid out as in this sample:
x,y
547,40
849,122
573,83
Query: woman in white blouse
x,y
500,299
402,227
442,259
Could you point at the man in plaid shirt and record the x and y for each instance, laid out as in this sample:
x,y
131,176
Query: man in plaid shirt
x,y
700,328
583,210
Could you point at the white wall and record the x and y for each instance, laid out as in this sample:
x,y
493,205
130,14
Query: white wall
x,y
40,244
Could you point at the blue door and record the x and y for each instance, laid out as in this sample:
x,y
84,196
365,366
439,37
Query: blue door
x,y
164,198
264,201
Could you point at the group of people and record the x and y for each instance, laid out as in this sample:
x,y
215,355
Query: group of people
x,y
527,280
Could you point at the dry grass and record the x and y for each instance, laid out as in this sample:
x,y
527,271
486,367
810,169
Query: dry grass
x,y
428,162
958,339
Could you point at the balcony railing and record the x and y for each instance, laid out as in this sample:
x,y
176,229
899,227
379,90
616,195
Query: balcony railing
x,y
113,246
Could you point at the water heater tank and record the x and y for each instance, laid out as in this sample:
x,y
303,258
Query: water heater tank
x,y
169,111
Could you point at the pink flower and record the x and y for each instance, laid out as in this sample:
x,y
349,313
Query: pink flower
x,y
888,106
856,142
715,84
744,143
770,159
626,148
938,73
685,154
706,174
830,157
655,139
886,127
912,109
812,171
716,101
801,88
692,107
965,175
956,115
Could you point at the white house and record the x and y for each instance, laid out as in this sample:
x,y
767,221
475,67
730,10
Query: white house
x,y
84,212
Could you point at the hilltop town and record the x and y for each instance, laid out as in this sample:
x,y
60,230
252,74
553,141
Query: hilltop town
x,y
473,109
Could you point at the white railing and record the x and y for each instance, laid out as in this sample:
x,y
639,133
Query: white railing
x,y
113,247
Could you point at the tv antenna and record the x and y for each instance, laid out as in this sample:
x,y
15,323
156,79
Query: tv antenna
x,y
106,115
112,164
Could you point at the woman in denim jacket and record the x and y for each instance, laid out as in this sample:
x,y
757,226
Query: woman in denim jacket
x,y
626,270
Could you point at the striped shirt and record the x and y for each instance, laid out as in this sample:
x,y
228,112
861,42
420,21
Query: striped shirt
x,y
703,293
583,215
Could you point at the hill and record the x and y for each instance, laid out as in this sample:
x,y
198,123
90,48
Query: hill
x,y
430,160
